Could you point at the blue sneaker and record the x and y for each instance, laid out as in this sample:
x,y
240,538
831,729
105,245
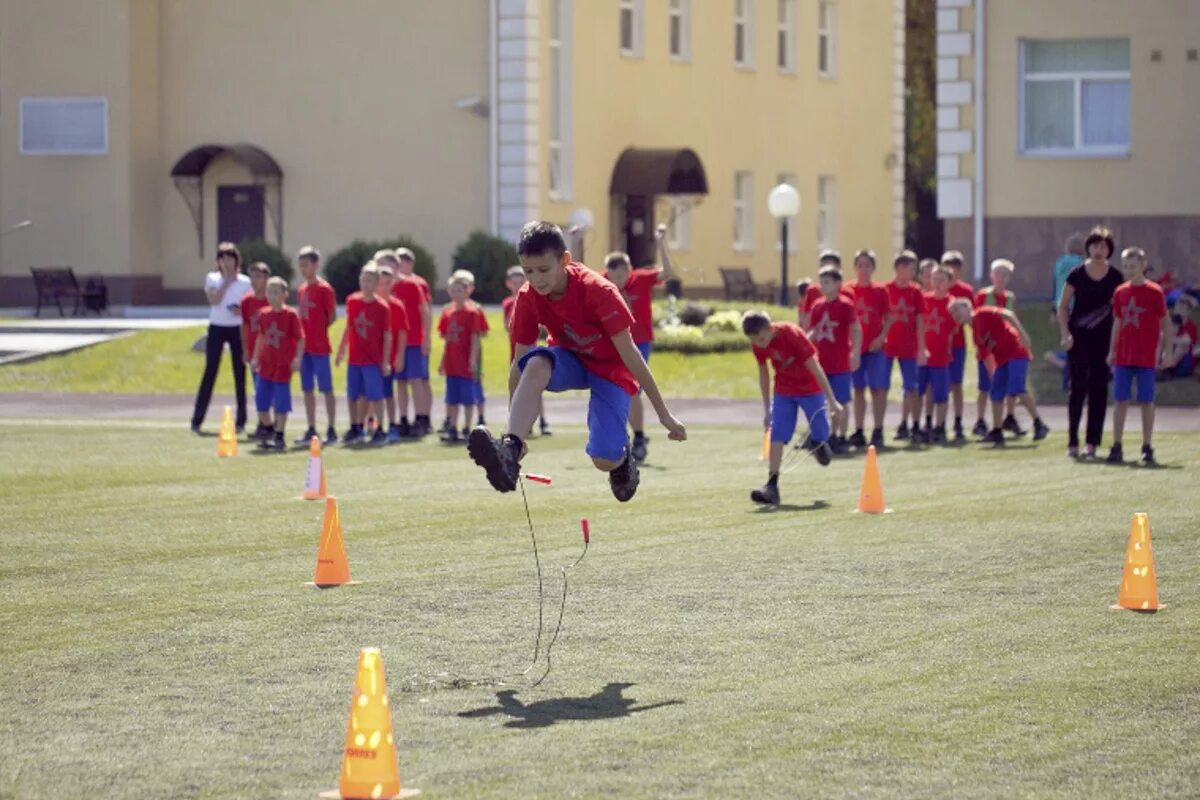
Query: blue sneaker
x,y
393,435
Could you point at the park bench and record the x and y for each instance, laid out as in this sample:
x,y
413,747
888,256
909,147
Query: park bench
x,y
740,285
55,283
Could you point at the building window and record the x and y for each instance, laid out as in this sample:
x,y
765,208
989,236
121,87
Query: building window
x,y
679,223
790,179
826,212
632,16
826,39
743,33
679,29
1075,97
786,37
559,104
64,126
743,211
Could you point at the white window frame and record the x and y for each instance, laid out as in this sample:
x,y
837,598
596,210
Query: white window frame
x,y
743,211
637,11
790,179
826,212
29,102
743,23
560,167
679,231
827,32
785,37
680,12
1080,150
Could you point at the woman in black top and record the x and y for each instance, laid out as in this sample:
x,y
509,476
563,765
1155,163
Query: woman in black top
x,y
1086,329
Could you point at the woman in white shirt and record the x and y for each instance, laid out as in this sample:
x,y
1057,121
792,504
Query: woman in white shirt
x,y
224,289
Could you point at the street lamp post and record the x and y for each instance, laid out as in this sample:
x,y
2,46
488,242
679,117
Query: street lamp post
x,y
784,203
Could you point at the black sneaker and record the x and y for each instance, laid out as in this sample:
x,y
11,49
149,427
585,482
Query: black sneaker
x,y
467,431
624,479
405,429
545,428
857,439
638,450
980,429
938,436
959,435
380,437
450,436
331,436
1148,456
767,495
353,436
196,429
268,433
995,437
917,437
307,436
1115,454
266,443
1011,425
902,431
500,459
819,449
1040,430
877,438
838,446
279,445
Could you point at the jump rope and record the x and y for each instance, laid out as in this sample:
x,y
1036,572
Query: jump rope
x,y
798,453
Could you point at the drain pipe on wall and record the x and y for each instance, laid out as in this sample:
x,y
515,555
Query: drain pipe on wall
x,y
980,173
493,119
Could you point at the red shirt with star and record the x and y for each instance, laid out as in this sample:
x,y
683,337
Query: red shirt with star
x,y
1140,310
583,320
830,325
252,305
639,294
459,325
871,306
367,320
995,334
413,290
317,305
939,330
397,323
789,352
813,295
904,304
964,290
506,308
280,333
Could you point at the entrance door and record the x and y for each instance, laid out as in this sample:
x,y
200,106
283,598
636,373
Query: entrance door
x,y
239,213
638,227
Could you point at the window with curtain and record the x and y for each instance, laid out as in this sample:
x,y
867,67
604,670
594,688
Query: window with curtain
x,y
631,27
743,33
679,29
743,211
1075,97
785,57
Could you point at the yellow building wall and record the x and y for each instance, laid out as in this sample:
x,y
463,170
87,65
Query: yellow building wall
x,y
735,119
1160,176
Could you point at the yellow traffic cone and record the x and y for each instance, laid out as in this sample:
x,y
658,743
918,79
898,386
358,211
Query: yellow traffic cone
x,y
227,443
1139,585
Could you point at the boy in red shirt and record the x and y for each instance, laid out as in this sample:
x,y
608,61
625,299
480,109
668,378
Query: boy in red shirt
x,y
937,329
800,385
251,305
958,345
514,281
370,342
461,326
590,347
924,397
904,307
413,290
398,327
1141,331
998,332
809,292
838,339
277,353
998,296
871,308
317,306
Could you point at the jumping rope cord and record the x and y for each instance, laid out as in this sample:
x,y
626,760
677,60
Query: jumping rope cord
x,y
797,453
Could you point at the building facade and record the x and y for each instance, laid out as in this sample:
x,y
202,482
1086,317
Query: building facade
x,y
1056,116
135,134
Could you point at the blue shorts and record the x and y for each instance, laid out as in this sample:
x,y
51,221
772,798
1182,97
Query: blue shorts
x,y
872,371
416,365
388,382
938,381
784,411
922,380
908,374
1123,378
364,381
477,385
1009,379
315,368
984,378
463,391
645,348
1184,367
608,406
272,394
841,383
958,363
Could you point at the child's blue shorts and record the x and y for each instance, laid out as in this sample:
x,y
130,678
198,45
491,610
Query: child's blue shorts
x,y
1123,378
1009,379
785,409
908,374
958,364
984,378
872,372
364,380
645,348
938,380
608,406
922,380
462,391
272,394
416,365
841,383
388,382
315,369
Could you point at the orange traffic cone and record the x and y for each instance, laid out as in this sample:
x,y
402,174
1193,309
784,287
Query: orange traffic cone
x,y
333,569
314,479
227,443
369,768
1139,587
766,450
870,497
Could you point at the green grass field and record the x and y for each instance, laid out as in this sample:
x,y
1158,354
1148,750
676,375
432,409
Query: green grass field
x,y
158,640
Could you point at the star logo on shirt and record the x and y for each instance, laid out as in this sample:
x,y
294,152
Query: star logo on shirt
x,y
581,342
453,331
903,312
273,336
362,325
781,362
864,311
823,331
1131,314
933,323
305,306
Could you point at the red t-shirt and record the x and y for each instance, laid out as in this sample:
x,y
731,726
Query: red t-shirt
x,y
639,294
397,322
251,306
458,326
964,290
904,304
813,295
367,320
583,320
994,334
939,330
317,305
789,351
506,308
280,332
830,326
871,306
412,290
1140,310
990,296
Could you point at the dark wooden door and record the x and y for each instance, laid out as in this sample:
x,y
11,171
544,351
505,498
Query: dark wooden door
x,y
240,214
638,226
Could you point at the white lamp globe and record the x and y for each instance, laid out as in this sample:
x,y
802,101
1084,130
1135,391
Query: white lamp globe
x,y
583,218
783,201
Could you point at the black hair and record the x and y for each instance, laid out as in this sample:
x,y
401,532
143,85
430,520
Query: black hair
x,y
539,237
831,272
868,254
1100,234
755,321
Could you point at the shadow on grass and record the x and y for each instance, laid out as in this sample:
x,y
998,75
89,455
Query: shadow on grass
x,y
815,505
1130,464
608,703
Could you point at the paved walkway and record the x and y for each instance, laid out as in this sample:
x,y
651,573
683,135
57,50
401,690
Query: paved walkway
x,y
29,339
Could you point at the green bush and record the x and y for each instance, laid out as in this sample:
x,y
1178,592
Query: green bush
x,y
489,258
693,340
728,321
342,268
258,250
